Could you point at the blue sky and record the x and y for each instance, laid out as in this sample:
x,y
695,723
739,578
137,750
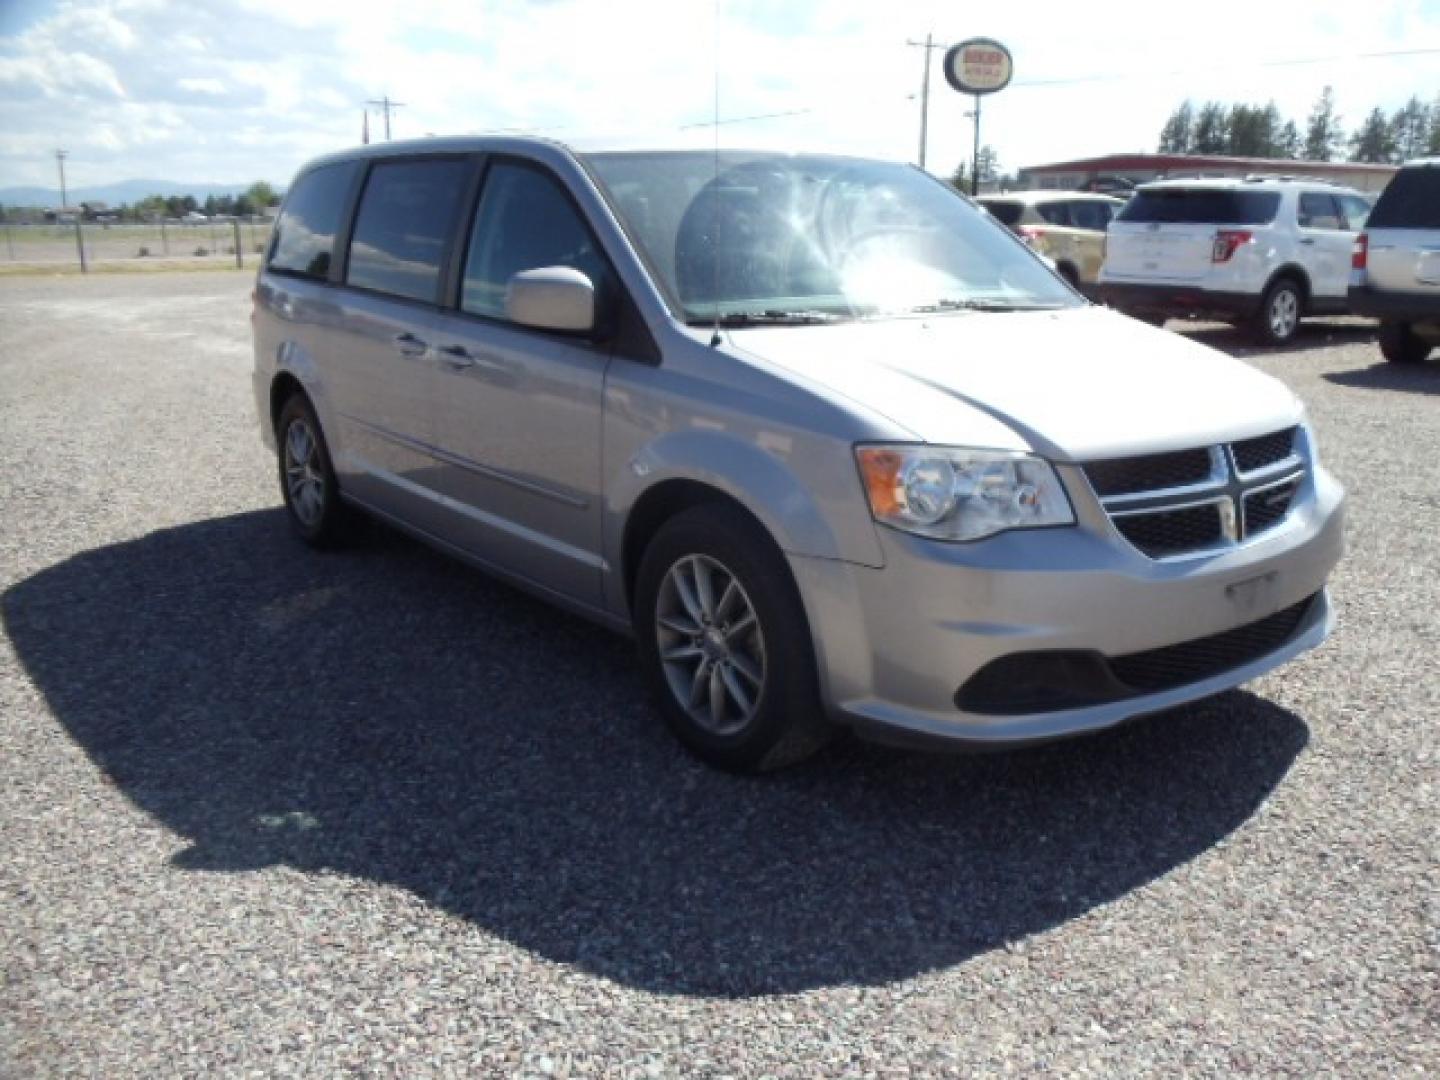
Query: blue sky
x,y
249,89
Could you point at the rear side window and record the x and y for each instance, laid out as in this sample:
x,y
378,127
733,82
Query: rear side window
x,y
525,222
1006,211
1090,215
1357,211
406,218
1056,213
1201,206
1411,201
305,232
1318,211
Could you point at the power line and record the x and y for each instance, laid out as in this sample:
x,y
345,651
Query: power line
x,y
1289,62
744,119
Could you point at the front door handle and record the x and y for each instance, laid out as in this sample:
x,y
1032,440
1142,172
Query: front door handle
x,y
457,357
410,345
1308,240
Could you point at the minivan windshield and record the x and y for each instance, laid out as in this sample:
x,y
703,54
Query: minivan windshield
x,y
1201,206
777,238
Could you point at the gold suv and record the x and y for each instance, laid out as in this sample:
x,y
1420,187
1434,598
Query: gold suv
x,y
1065,226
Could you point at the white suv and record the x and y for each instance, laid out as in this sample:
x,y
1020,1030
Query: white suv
x,y
1265,251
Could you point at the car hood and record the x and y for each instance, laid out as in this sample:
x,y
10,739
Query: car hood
x,y
1077,384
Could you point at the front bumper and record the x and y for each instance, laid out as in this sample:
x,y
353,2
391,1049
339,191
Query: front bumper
x,y
1178,300
936,614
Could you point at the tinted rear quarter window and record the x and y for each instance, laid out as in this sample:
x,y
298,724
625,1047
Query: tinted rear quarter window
x,y
1318,211
1085,214
1007,211
305,232
404,226
1411,201
1201,206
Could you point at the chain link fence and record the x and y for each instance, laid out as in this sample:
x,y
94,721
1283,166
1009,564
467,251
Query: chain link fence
x,y
92,244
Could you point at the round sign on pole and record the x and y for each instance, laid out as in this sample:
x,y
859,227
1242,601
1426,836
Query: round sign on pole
x,y
978,66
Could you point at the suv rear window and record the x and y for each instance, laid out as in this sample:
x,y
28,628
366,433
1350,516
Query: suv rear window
x,y
1201,206
305,232
1411,201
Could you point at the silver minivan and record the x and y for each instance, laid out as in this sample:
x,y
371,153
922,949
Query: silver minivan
x,y
825,437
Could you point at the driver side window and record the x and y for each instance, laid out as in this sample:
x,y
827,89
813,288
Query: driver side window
x,y
524,222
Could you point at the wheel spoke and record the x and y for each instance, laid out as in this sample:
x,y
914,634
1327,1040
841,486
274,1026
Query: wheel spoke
x,y
699,683
748,668
737,690
704,587
686,592
740,627
681,653
717,696
727,598
678,624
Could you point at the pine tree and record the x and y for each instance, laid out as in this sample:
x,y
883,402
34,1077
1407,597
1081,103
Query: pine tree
x,y
1323,135
1410,128
1212,130
1287,143
1178,133
1375,141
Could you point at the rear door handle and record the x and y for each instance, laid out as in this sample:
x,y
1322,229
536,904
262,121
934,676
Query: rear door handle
x,y
410,345
1308,240
457,357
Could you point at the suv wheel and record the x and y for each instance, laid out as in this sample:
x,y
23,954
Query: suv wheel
x,y
725,644
307,479
1279,315
1401,345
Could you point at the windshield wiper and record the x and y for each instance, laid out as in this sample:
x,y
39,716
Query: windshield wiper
x,y
982,305
768,317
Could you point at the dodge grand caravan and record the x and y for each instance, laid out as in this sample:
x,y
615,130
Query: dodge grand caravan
x,y
825,437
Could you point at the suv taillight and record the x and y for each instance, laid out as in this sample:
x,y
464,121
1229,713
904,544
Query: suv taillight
x,y
1361,253
1226,241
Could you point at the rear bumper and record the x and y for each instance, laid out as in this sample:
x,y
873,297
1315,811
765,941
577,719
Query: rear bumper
x,y
1178,300
1397,306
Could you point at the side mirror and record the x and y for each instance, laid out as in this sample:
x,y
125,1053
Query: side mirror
x,y
552,298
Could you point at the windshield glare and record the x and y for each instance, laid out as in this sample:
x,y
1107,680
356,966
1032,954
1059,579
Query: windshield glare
x,y
774,235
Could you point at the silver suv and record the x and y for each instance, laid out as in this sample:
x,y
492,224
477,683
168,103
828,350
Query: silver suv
x,y
1395,272
825,437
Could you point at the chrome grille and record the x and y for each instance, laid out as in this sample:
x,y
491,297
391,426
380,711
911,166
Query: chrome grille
x,y
1202,499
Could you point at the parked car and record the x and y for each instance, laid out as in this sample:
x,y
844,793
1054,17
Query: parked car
x,y
830,442
1068,226
1265,251
1395,272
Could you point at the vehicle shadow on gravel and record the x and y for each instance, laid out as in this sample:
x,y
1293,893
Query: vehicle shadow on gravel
x,y
1237,340
1412,378
387,714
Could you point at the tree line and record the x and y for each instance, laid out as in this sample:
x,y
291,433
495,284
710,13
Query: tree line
x,y
1260,131
253,200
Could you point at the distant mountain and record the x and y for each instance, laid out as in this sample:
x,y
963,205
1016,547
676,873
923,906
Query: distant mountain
x,y
125,191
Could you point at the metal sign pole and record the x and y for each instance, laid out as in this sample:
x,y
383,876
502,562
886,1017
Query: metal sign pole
x,y
239,262
80,246
975,156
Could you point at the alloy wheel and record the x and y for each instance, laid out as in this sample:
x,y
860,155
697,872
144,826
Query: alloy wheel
x,y
711,645
304,473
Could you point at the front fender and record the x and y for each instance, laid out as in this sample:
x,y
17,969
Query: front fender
x,y
809,501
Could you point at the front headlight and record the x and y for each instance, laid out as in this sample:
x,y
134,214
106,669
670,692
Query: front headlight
x,y
951,493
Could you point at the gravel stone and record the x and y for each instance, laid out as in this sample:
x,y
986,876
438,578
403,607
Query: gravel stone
x,y
273,813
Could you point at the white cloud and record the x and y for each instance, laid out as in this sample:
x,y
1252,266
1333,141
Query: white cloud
x,y
251,88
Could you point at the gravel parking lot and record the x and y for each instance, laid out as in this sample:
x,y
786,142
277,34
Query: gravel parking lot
x,y
269,812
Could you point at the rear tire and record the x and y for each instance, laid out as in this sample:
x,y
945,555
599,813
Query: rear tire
x,y
725,644
1278,319
307,479
1401,345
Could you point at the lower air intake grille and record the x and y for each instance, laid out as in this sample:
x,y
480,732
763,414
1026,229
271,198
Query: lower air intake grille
x,y
1172,531
1191,661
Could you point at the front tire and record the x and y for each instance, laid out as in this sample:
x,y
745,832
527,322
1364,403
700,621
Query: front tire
x,y
1278,319
307,478
1401,345
725,644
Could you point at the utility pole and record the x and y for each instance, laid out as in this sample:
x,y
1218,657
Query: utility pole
x,y
60,156
385,105
929,45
